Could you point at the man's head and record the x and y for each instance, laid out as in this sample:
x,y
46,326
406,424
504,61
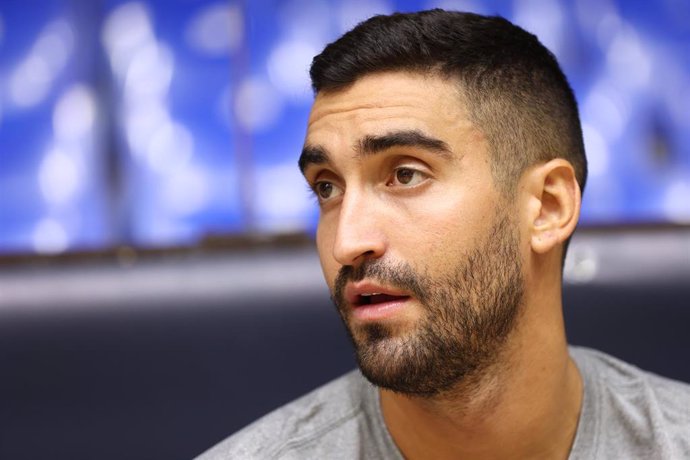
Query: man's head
x,y
441,168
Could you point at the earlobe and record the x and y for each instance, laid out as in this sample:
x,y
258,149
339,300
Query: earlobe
x,y
556,210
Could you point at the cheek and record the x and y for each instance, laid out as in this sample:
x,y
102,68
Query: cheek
x,y
441,229
439,222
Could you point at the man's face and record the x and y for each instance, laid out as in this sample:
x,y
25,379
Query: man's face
x,y
419,249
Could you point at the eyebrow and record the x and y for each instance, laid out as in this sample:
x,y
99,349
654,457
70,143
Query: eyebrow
x,y
312,155
371,145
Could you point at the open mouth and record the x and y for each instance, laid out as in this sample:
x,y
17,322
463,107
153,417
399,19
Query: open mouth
x,y
377,298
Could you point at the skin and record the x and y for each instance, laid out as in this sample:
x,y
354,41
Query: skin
x,y
525,405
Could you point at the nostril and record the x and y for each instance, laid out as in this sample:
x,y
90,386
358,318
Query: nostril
x,y
364,257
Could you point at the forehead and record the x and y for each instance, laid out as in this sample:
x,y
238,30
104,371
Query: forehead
x,y
389,101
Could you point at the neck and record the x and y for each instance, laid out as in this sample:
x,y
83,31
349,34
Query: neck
x,y
526,405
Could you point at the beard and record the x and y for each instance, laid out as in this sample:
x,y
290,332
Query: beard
x,y
467,316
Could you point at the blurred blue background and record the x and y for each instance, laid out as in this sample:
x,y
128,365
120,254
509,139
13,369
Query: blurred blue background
x,y
159,123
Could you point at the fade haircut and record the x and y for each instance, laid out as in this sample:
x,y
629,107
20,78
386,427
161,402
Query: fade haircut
x,y
513,87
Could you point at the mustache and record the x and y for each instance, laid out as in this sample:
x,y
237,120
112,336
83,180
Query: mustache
x,y
397,275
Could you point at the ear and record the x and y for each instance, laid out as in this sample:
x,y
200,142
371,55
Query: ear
x,y
554,204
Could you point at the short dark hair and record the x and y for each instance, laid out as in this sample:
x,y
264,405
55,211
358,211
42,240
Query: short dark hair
x,y
514,89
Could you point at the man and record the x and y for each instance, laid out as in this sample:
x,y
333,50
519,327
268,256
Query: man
x,y
446,154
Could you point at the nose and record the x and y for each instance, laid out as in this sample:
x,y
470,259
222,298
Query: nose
x,y
360,232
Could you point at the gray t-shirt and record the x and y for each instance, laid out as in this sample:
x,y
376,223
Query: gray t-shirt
x,y
626,413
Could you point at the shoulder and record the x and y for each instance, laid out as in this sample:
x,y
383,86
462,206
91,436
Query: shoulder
x,y
632,408
628,380
303,427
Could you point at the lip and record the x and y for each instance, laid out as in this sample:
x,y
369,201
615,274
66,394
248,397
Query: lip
x,y
399,299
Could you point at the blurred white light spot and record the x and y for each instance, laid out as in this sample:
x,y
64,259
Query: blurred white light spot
x,y
581,264
75,113
141,122
257,104
353,12
597,150
58,177
608,28
308,20
605,109
628,61
282,201
185,191
31,80
216,30
150,72
288,69
544,18
49,237
170,148
55,45
676,202
125,30
589,13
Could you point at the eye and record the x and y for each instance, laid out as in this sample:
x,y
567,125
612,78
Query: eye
x,y
408,177
326,190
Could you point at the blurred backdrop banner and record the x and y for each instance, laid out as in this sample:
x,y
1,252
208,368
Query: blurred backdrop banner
x,y
160,123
